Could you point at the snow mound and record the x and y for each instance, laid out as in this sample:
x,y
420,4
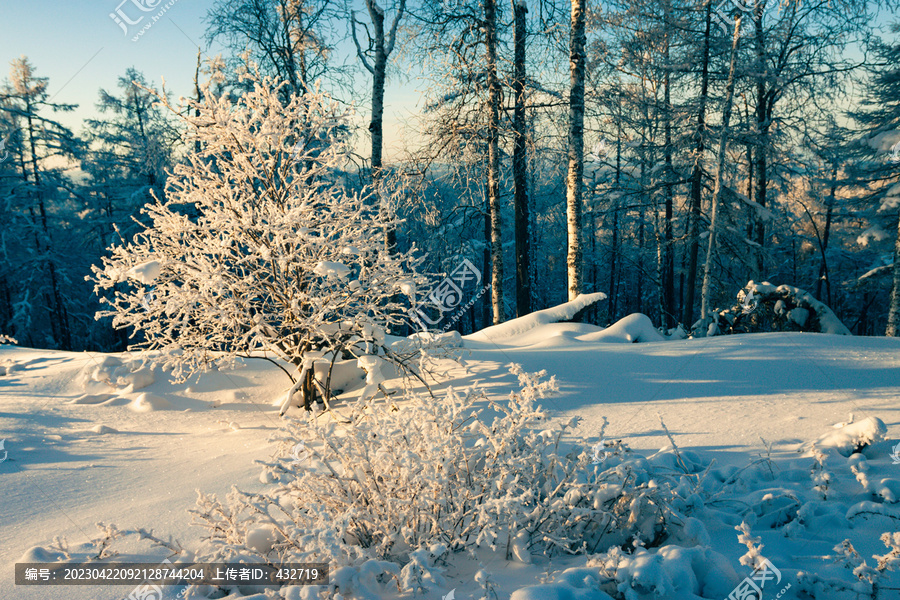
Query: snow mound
x,y
38,554
447,339
634,328
867,508
510,329
670,573
262,538
147,402
109,372
579,583
102,429
345,374
558,591
92,398
852,437
8,367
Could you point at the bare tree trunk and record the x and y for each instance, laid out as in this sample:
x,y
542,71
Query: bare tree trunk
x,y
690,284
751,175
382,46
668,258
826,234
750,171
486,301
893,325
493,183
6,307
762,126
639,292
520,167
613,264
199,98
376,124
720,175
614,251
574,183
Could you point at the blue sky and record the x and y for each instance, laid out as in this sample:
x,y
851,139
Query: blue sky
x,y
81,48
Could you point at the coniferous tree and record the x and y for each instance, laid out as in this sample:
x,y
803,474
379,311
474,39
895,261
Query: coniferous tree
x,y
39,199
882,120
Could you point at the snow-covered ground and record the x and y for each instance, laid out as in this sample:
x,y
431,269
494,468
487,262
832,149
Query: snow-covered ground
x,y
90,440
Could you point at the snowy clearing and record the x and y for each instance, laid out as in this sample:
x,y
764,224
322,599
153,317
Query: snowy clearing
x,y
104,438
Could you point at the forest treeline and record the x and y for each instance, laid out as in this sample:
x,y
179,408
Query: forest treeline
x,y
663,152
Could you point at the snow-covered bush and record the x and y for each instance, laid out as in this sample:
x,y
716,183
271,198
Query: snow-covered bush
x,y
671,572
766,307
868,579
407,484
260,247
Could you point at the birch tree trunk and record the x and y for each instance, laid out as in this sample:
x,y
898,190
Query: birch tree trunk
x,y
667,303
893,326
574,183
690,285
720,175
381,46
493,182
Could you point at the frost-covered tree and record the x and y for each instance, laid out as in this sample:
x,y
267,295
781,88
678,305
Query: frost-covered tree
x,y
286,38
131,147
281,259
881,119
462,40
35,192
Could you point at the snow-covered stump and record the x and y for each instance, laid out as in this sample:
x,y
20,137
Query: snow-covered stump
x,y
766,307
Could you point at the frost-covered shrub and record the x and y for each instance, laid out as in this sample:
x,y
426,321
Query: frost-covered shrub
x,y
440,475
259,247
868,579
766,307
